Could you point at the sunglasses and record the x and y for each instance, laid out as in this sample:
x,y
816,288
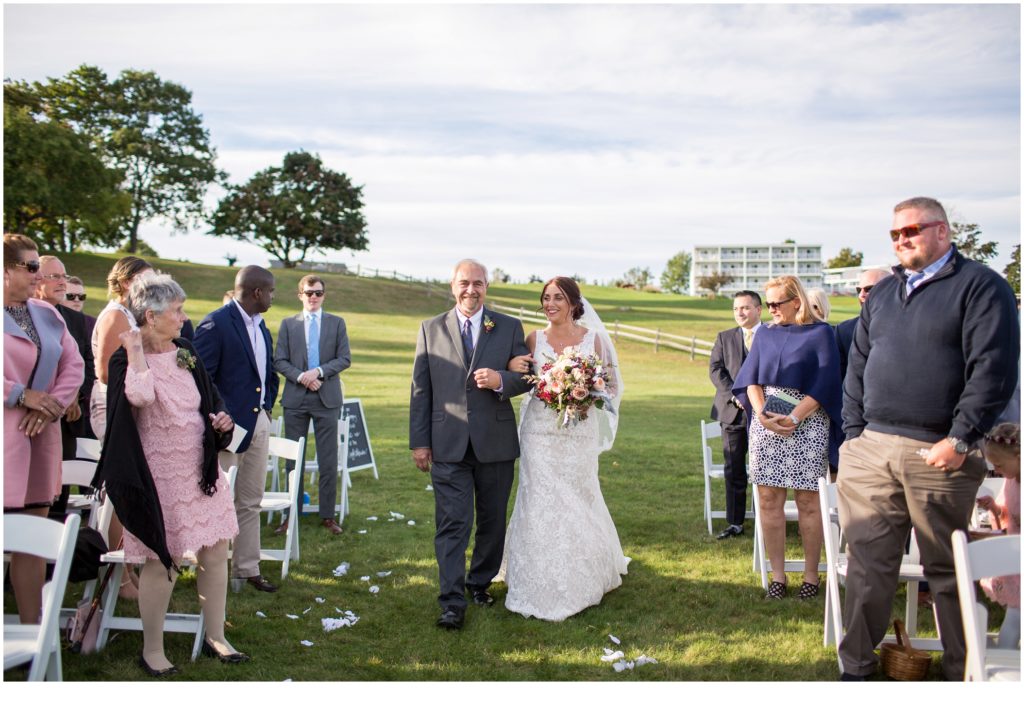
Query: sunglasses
x,y
865,289
72,297
57,277
30,265
775,305
313,293
911,230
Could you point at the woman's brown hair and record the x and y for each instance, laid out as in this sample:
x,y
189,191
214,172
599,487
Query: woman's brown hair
x,y
14,244
124,270
571,291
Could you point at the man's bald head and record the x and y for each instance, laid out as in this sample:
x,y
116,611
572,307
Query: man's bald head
x,y
868,279
254,289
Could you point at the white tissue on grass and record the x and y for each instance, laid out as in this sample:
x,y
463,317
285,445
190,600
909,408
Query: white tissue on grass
x,y
291,616
371,518
412,523
260,614
365,578
644,659
621,665
307,643
384,574
612,656
348,620
341,570
320,599
395,514
374,589
614,639
361,532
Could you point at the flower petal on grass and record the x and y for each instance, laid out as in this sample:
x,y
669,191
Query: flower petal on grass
x,y
361,532
374,589
307,643
395,514
341,570
260,614
621,665
320,599
612,656
292,616
614,639
384,574
412,523
644,659
307,610
365,578
430,488
371,518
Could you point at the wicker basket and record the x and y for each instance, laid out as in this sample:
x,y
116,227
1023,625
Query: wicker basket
x,y
902,662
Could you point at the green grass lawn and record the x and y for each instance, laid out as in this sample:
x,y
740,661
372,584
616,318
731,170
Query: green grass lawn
x,y
690,602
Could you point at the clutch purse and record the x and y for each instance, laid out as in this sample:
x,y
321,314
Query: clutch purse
x,y
780,404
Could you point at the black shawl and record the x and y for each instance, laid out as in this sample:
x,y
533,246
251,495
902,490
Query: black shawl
x,y
122,467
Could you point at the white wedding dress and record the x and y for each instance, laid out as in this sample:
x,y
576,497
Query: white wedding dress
x,y
562,552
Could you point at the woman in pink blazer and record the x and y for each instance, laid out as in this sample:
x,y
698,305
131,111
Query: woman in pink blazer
x,y
42,373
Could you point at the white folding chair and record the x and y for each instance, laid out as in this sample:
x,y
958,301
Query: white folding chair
x,y
40,643
760,559
836,563
710,430
273,468
282,501
88,449
989,557
79,473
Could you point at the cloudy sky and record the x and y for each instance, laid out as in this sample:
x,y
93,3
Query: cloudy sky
x,y
582,138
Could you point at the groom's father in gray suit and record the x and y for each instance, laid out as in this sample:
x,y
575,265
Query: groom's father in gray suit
x,y
312,350
461,424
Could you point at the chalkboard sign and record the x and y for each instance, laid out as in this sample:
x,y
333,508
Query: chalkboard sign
x,y
360,452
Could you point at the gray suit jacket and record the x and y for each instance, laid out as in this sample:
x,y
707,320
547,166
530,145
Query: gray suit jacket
x,y
290,359
447,411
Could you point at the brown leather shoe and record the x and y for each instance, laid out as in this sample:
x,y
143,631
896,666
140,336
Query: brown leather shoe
x,y
331,525
262,583
282,529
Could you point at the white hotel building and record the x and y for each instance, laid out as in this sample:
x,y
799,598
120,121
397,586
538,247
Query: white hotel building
x,y
752,266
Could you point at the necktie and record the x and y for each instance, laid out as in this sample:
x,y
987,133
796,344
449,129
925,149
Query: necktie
x,y
467,341
313,345
748,338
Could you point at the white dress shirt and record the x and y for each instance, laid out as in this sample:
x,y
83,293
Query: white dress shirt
x,y
259,346
475,322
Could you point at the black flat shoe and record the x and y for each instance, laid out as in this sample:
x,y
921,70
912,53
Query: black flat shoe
x,y
730,532
480,597
170,671
451,618
233,658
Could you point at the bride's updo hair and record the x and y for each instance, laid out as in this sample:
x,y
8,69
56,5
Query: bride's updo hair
x,y
571,291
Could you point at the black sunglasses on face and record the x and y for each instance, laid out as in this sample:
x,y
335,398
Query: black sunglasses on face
x,y
30,265
865,289
775,305
911,230
71,297
313,293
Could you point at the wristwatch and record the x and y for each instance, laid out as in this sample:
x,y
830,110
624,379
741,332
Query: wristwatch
x,y
961,447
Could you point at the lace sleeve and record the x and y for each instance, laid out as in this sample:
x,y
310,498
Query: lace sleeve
x,y
139,387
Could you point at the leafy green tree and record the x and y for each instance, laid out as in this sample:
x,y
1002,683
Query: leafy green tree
x,y
500,276
676,276
967,238
1012,271
713,282
55,188
293,210
145,127
141,248
846,258
637,277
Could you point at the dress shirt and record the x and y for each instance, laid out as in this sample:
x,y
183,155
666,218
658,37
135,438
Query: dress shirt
x,y
915,278
320,325
259,347
475,323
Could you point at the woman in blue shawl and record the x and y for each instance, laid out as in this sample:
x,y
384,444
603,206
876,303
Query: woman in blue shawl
x,y
791,390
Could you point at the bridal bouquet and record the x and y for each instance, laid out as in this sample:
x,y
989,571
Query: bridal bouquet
x,y
572,383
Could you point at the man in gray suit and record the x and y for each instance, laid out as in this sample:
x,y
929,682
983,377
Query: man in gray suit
x,y
462,429
312,350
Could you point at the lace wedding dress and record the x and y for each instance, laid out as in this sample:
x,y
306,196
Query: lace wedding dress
x,y
562,552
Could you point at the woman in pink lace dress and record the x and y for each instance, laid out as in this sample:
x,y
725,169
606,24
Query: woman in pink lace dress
x,y
1002,449
165,424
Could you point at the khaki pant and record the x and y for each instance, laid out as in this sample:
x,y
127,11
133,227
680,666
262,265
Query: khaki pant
x,y
885,487
250,483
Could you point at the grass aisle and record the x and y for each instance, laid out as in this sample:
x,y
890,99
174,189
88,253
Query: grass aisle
x,y
688,601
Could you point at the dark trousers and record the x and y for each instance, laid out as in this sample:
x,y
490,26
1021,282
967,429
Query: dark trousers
x,y
734,447
457,488
325,428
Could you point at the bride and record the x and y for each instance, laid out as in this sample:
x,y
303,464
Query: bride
x,y
562,551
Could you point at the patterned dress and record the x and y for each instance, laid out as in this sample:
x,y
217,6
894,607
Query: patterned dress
x,y
165,403
795,461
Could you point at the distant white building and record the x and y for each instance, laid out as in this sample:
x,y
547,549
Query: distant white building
x,y
752,266
843,281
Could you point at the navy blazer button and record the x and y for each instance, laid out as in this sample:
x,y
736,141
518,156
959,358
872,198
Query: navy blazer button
x,y
259,389
256,410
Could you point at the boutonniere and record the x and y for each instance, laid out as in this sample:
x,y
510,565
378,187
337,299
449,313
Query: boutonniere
x,y
488,324
186,360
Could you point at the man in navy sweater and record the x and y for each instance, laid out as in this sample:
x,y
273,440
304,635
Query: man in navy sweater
x,y
932,365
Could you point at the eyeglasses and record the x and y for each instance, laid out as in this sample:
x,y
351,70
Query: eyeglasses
x,y
865,289
775,305
30,265
72,297
57,277
911,230
313,293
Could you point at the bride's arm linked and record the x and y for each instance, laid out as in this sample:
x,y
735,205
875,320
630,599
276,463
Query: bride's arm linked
x,y
521,363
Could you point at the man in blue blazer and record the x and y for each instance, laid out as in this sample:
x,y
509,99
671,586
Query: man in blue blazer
x,y
236,349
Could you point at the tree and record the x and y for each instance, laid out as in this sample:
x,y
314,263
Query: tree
x,y
846,258
55,187
713,282
676,276
967,237
499,275
1012,271
142,248
298,208
535,278
146,128
637,277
